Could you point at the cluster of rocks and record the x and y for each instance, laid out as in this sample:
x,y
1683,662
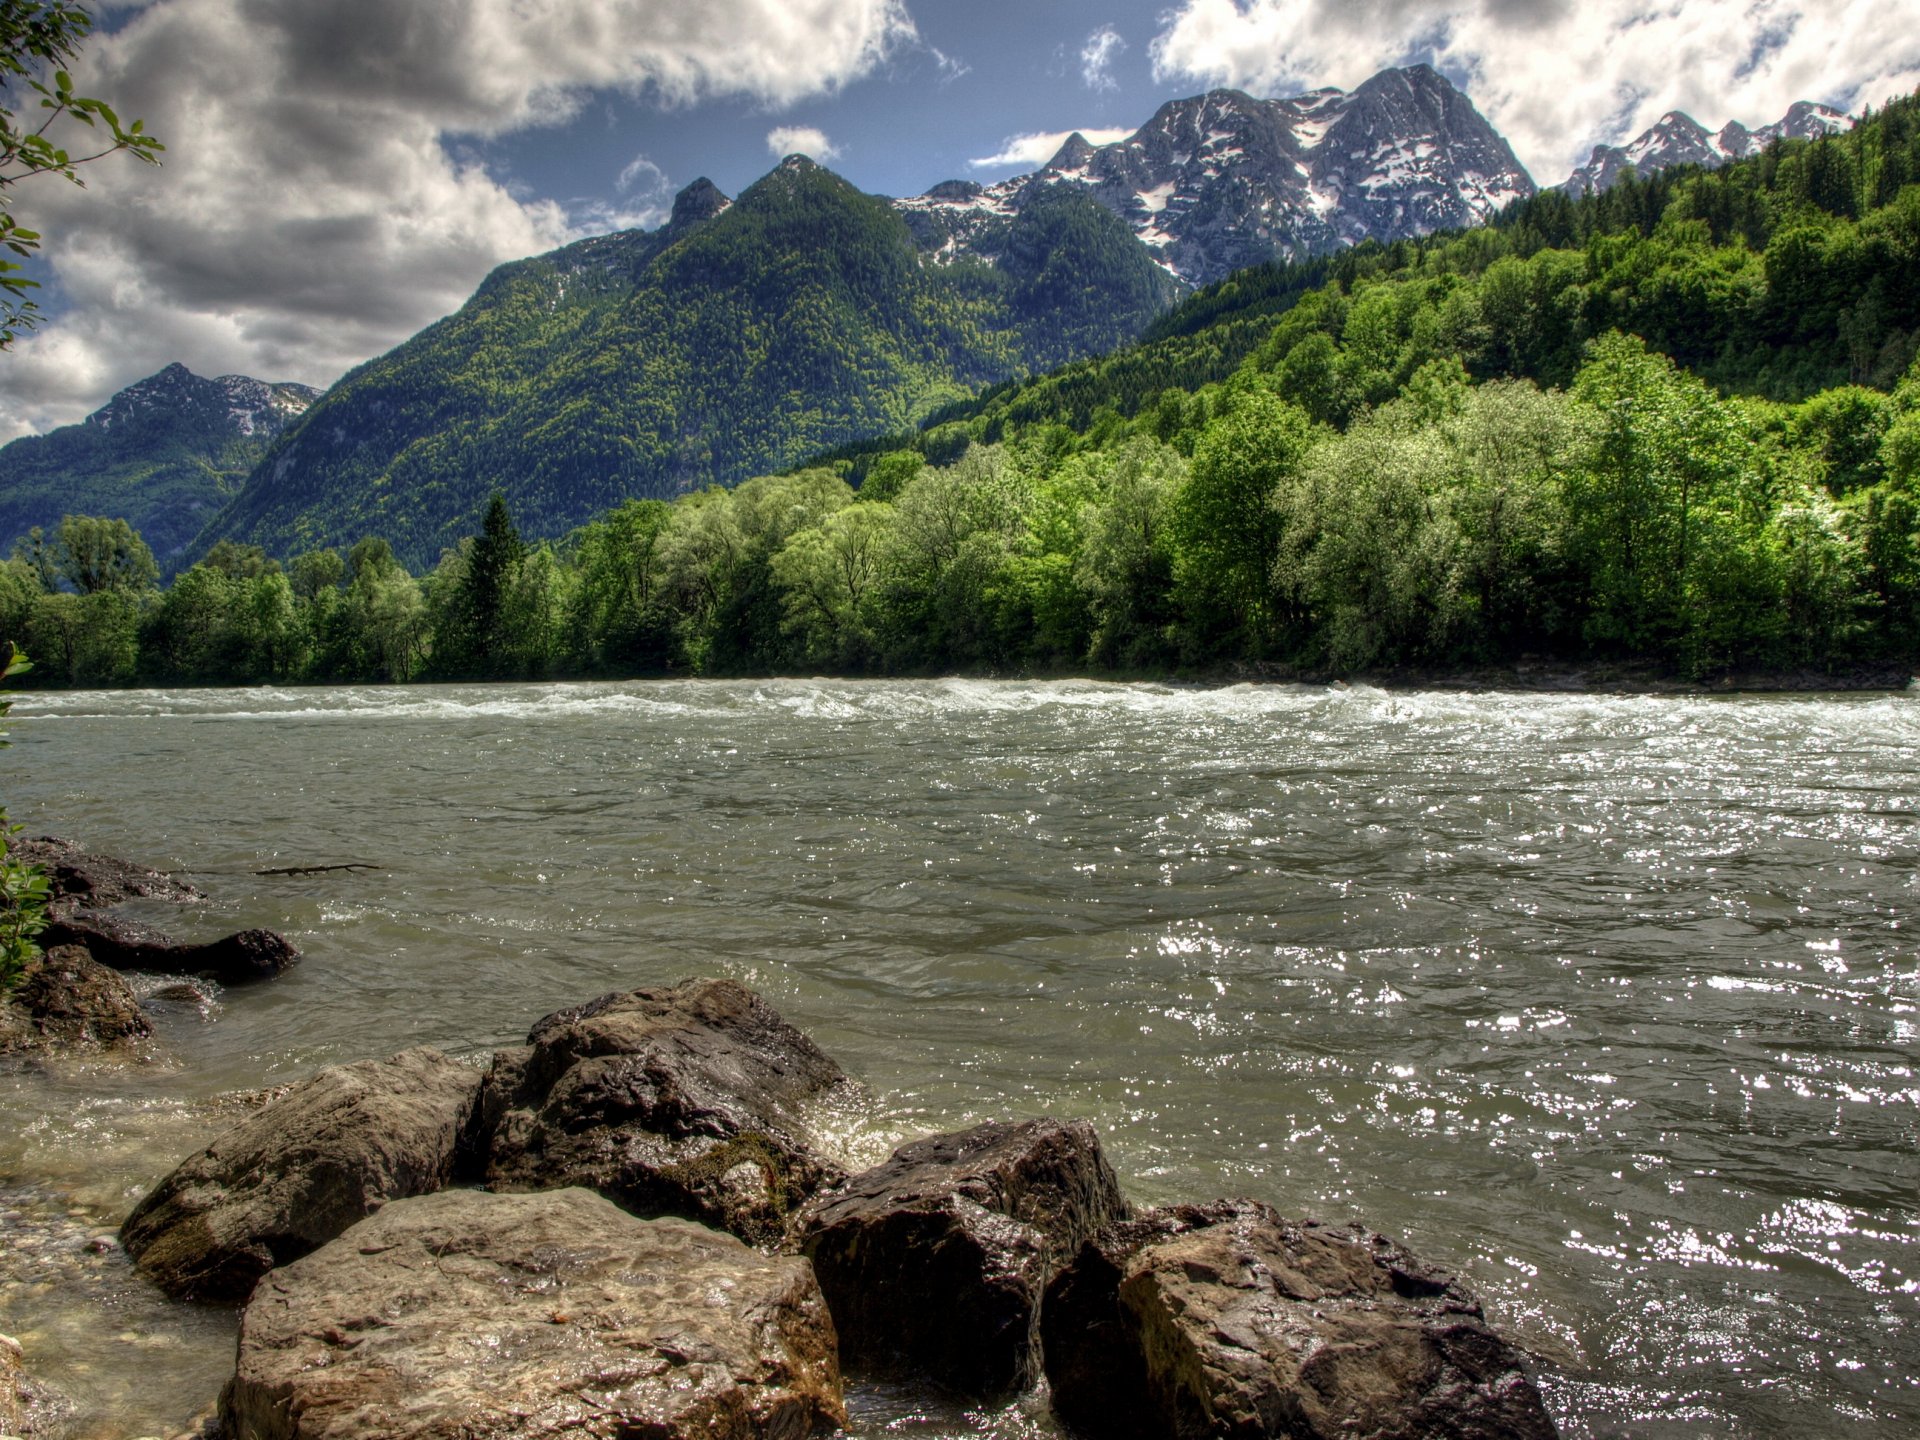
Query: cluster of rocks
x,y
661,1250
73,997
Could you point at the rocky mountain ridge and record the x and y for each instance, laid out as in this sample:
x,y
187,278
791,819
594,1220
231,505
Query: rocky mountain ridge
x,y
1220,181
164,454
1679,139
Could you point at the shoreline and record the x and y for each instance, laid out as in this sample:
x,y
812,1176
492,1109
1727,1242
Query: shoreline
x,y
1553,677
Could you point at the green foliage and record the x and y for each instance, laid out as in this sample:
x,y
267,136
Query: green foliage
x,y
711,351
38,38
23,887
1648,425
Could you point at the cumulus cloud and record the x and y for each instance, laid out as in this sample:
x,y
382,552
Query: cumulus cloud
x,y
317,204
784,140
1557,77
1097,55
1033,151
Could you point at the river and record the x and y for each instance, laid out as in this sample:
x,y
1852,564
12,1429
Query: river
x,y
1610,1003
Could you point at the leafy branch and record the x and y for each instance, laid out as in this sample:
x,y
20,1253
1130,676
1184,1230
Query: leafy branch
x,y
37,40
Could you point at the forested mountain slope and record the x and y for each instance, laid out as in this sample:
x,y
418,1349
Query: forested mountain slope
x,y
164,455
737,339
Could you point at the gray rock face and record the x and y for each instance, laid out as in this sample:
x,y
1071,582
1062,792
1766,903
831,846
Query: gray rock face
x,y
685,1101
68,1001
1224,180
935,1262
1679,139
1224,1320
470,1316
328,1153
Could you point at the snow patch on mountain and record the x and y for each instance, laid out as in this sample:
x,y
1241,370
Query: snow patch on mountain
x,y
1224,180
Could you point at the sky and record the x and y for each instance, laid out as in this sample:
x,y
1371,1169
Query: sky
x,y
341,173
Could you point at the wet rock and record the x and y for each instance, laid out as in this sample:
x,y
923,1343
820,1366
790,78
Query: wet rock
x,y
685,1100
331,1151
78,879
127,945
936,1261
29,1408
66,1001
1225,1320
473,1316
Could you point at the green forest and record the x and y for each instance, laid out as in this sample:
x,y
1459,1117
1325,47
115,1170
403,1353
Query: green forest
x,y
1675,423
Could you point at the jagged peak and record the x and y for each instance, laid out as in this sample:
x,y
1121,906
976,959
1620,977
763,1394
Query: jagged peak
x,y
702,200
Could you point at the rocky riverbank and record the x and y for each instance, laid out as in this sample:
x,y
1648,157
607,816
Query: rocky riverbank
x,y
629,1226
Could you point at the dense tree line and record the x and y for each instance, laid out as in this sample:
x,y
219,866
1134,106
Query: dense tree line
x,y
1678,422
1635,513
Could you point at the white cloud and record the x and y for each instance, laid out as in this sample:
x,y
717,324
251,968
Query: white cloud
x,y
317,204
1102,48
1554,76
642,177
784,140
1033,151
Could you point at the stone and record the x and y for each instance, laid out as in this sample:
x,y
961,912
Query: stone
x,y
935,1262
128,945
476,1316
29,1408
77,879
1226,1320
687,1100
298,1173
66,1001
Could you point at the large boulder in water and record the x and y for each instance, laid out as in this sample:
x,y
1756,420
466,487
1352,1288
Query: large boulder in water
x,y
127,945
1224,1320
327,1154
687,1100
472,1316
65,1001
935,1262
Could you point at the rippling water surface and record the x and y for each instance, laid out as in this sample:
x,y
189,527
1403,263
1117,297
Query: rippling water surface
x,y
1611,1003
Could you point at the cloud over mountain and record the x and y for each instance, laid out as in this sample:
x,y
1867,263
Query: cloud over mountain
x,y
318,204
1557,77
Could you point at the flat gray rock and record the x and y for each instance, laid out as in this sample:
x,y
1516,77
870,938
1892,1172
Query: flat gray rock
x,y
474,1316
324,1156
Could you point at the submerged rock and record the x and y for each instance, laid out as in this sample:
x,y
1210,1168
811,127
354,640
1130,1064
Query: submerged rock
x,y
331,1151
29,1408
127,945
936,1261
65,1001
472,1316
78,879
80,887
685,1100
1225,1320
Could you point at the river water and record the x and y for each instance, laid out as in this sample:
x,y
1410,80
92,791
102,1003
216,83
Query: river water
x,y
1611,1003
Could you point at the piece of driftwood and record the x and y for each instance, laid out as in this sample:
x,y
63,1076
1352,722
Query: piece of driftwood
x,y
318,869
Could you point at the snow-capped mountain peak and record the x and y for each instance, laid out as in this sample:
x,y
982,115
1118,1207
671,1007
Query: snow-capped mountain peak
x,y
1223,180
1679,139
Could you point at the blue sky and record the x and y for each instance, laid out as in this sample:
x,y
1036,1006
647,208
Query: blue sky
x,y
984,72
341,173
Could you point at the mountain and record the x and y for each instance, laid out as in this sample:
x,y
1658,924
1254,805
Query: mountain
x,y
164,454
1222,181
738,339
1679,139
